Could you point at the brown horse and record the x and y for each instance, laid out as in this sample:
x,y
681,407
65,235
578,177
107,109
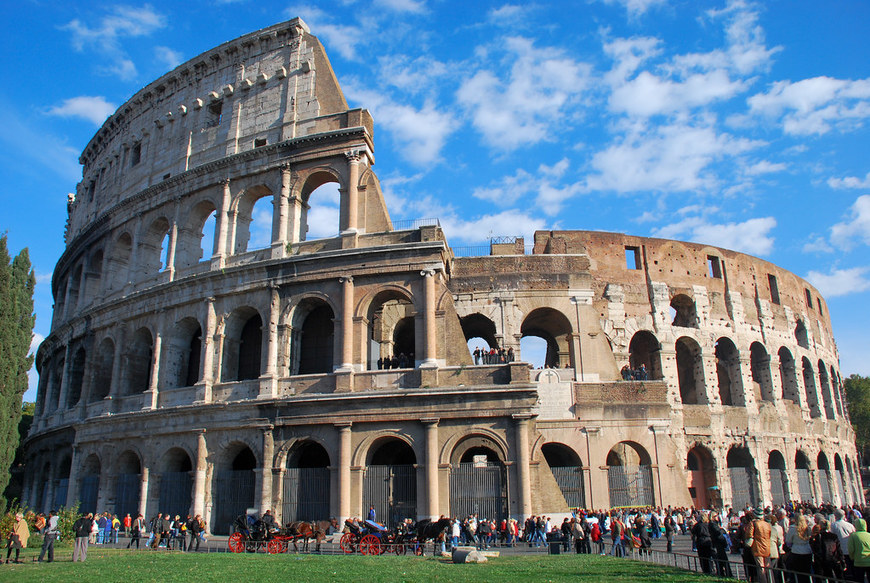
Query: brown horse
x,y
309,530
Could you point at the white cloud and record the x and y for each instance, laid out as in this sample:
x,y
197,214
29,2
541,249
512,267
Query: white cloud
x,y
751,236
413,76
648,95
858,227
343,39
507,14
506,223
765,167
105,37
92,108
840,282
672,158
636,8
816,105
413,6
850,182
817,244
544,184
170,57
528,104
323,217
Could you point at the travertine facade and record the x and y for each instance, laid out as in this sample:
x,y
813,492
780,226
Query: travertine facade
x,y
208,382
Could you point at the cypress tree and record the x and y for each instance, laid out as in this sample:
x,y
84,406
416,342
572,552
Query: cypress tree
x,y
17,283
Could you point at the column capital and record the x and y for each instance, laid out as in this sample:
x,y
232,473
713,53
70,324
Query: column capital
x,y
353,155
430,421
345,279
343,425
224,182
523,416
284,166
427,273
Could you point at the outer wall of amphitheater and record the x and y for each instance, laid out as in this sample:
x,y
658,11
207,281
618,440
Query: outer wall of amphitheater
x,y
206,371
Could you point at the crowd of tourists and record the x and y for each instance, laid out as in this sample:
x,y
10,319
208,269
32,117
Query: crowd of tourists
x,y
634,374
493,355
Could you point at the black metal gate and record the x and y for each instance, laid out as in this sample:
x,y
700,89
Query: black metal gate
x,y
743,491
88,495
306,494
825,486
630,486
127,494
570,480
778,486
479,488
175,493
60,494
804,486
233,495
392,490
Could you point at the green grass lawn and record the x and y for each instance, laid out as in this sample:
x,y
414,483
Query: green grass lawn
x,y
107,565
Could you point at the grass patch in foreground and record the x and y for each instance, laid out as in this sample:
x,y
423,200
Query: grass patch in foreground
x,y
105,565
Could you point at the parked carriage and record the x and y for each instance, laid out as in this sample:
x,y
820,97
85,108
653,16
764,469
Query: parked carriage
x,y
371,538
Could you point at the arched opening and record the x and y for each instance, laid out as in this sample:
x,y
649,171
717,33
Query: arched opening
x,y
779,490
826,390
41,498
683,312
175,483
93,277
839,473
60,493
154,248
118,270
553,327
568,471
800,334
127,485
233,491
802,467
60,300
321,209
390,483
313,338
533,350
89,487
56,379
76,378
74,287
741,468
479,332
853,489
253,226
703,486
101,383
728,373
196,238
810,388
243,342
690,371
645,356
207,236
137,372
478,479
788,376
838,393
759,364
392,330
823,473
306,483
184,353
629,475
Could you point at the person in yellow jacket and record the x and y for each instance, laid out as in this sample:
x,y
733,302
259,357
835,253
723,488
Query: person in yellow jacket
x,y
859,550
17,538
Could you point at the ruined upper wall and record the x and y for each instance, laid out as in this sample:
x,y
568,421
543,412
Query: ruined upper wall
x,y
266,87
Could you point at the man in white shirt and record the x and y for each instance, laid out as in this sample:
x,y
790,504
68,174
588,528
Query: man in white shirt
x,y
51,532
843,528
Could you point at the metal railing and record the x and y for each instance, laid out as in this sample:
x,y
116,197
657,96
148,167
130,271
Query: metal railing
x,y
411,224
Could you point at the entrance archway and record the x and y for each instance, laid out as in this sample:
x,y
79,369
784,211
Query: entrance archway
x,y
802,467
90,484
128,484
233,491
175,483
779,491
629,475
306,483
390,483
741,468
568,471
478,480
703,487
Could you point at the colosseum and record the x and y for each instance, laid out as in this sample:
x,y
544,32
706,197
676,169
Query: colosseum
x,y
191,373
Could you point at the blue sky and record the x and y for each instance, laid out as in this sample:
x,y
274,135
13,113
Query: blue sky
x,y
735,123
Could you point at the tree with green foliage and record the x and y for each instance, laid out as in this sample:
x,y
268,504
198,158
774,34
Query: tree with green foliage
x,y
15,488
858,398
17,282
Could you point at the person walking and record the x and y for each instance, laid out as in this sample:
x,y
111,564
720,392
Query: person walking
x,y
703,542
51,532
82,531
758,542
136,528
17,538
859,550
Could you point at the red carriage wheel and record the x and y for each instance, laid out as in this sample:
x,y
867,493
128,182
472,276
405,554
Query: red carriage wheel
x,y
346,542
370,545
274,547
400,549
236,542
418,549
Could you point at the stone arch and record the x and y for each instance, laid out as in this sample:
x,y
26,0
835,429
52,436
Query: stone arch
x,y
76,377
391,315
183,354
128,470
243,345
759,364
744,482
313,180
555,329
93,281
839,477
629,475
812,396
683,311
802,469
312,337
788,376
645,350
233,489
390,481
118,269
102,366
306,494
138,358
151,247
690,371
189,247
823,473
836,389
702,479
243,207
478,326
776,469
176,481
74,289
456,446
64,468
567,468
824,384
728,373
89,483
478,476
367,446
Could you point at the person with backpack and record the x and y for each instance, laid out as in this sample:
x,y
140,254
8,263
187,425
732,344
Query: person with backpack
x,y
828,557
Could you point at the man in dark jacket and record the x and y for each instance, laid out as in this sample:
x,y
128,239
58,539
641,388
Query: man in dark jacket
x,y
82,530
165,528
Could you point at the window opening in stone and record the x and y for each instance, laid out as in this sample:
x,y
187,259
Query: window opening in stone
x,y
259,142
164,252
644,358
809,297
77,378
261,224
800,334
714,268
690,371
140,353
728,372
555,329
102,377
250,345
819,303
774,288
215,111
760,368
136,154
318,339
321,213
632,257
391,332
683,312
810,387
207,239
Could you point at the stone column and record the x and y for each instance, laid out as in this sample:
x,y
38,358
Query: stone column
x,y
222,226
152,393
346,323
64,382
432,493
269,380
268,454
430,351
143,492
350,199
523,460
173,244
199,475
72,490
281,203
115,389
344,453
203,393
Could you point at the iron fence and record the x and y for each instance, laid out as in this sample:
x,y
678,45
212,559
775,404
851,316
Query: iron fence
x,y
127,494
570,480
480,489
392,490
306,494
630,486
233,495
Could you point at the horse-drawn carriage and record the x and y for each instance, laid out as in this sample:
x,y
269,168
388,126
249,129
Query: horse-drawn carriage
x,y
255,535
371,538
